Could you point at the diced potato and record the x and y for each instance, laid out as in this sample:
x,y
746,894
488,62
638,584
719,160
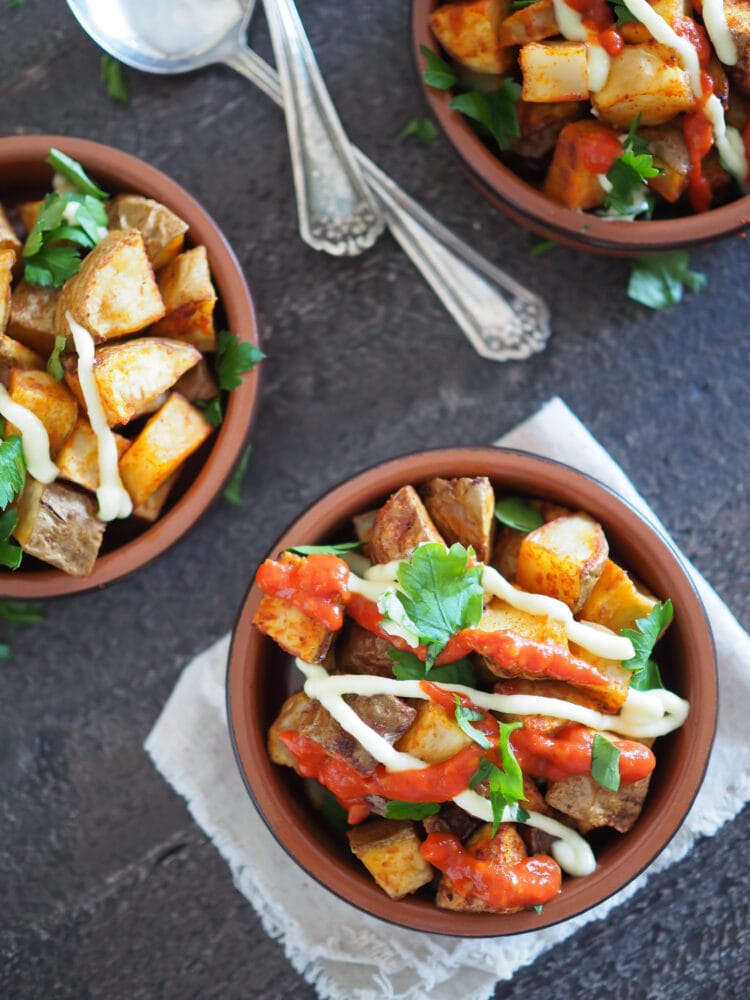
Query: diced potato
x,y
737,13
540,125
434,736
7,260
32,316
547,689
359,651
633,32
15,355
163,232
591,805
506,848
616,600
563,559
573,177
611,696
198,383
363,525
401,524
133,372
294,709
669,149
8,238
389,849
646,80
114,292
189,299
468,32
50,400
153,505
293,630
463,510
530,24
554,71
169,437
78,459
320,726
58,525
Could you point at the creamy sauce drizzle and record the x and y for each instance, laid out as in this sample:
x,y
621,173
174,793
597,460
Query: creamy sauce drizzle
x,y
570,23
715,22
113,498
34,438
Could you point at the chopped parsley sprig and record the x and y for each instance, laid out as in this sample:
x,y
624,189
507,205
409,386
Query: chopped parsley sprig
x,y
408,667
646,675
628,177
505,786
659,280
622,13
496,110
605,763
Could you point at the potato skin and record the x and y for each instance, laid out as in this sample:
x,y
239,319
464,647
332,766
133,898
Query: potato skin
x,y
59,525
401,524
463,510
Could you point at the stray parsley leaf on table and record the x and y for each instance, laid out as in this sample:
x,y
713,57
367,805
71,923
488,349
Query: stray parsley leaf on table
x,y
440,593
233,491
543,247
20,612
496,110
646,675
657,281
12,469
437,73
605,763
234,357
423,130
113,77
517,513
408,667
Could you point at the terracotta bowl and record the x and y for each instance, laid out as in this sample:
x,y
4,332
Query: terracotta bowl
x,y
260,677
129,545
526,205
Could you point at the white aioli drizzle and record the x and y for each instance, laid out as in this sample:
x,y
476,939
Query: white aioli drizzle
x,y
570,23
34,438
113,498
569,849
601,642
715,22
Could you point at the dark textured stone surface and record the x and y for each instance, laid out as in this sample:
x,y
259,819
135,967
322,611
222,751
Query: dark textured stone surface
x,y
107,887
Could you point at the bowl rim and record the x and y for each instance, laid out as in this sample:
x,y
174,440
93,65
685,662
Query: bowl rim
x,y
259,774
133,173
531,208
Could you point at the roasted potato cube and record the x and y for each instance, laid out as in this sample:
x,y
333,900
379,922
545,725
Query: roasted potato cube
x,y
530,24
540,125
130,374
359,651
611,696
198,384
163,232
669,149
633,32
78,459
463,510
547,689
168,438
189,299
616,600
591,805
58,525
737,14
563,559
505,553
506,847
363,525
50,400
468,32
573,176
293,630
434,736
153,505
389,849
32,316
7,260
554,71
15,355
401,524
646,80
114,292
8,238
293,711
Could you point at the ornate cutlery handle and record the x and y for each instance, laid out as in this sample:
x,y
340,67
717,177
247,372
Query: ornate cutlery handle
x,y
502,319
336,210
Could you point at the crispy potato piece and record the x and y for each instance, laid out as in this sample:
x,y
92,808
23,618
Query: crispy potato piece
x,y
292,713
401,524
58,525
114,292
389,849
591,805
633,32
50,400
546,689
8,238
616,600
363,525
189,299
554,71
163,232
646,80
15,355
530,24
32,316
132,373
359,651
570,180
669,149
540,124
463,510
563,559
506,847
198,383
168,438
434,736
610,697
737,14
468,31
78,459
152,506
296,633
7,260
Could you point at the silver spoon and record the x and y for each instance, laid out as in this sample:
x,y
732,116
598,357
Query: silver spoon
x,y
503,320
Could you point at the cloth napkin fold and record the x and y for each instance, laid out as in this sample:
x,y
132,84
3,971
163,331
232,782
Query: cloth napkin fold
x,y
350,956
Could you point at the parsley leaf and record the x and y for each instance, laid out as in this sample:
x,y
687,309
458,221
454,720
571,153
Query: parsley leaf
x,y
657,281
628,175
646,675
408,667
538,908
64,223
437,73
75,173
12,469
605,763
329,550
54,367
496,110
517,513
521,4
113,77
52,266
14,5
622,13
211,410
440,593
505,787
394,809
543,247
234,357
20,612
233,493
423,130
10,554
464,717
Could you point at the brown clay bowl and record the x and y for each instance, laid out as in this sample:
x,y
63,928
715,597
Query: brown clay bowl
x,y
529,207
260,677
129,545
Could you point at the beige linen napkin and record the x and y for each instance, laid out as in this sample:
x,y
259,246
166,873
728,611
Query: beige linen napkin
x,y
350,956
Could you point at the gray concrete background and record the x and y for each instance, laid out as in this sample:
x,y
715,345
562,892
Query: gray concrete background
x,y
108,889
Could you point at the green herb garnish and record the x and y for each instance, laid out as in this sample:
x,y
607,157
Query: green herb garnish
x,y
394,809
327,550
646,675
658,281
622,14
464,718
628,175
538,908
423,130
10,554
544,247
605,763
12,469
495,110
437,73
75,173
18,613
518,514
113,78
505,786
234,357
408,667
54,365
233,493
212,410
